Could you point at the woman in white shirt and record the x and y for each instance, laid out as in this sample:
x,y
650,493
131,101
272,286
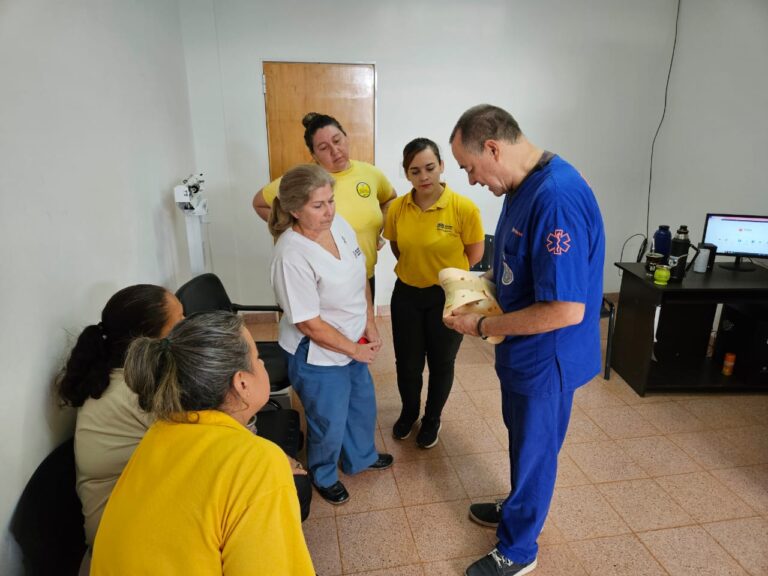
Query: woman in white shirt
x,y
327,329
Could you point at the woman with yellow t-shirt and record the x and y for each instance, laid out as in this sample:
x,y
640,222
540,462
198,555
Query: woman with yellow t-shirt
x,y
362,191
201,494
430,228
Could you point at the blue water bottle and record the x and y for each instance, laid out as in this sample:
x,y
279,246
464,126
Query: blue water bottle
x,y
662,240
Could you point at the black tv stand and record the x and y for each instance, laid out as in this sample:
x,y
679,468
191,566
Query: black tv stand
x,y
738,266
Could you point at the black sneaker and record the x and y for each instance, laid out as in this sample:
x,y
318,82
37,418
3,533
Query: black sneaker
x,y
495,564
402,428
335,494
429,432
383,462
487,513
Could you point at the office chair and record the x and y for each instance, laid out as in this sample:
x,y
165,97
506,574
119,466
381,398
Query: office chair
x,y
608,309
206,293
48,520
486,263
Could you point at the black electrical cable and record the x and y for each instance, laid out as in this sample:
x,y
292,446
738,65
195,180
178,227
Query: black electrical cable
x,y
658,129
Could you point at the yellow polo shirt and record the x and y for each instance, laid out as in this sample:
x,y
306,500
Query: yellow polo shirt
x,y
359,192
202,498
433,239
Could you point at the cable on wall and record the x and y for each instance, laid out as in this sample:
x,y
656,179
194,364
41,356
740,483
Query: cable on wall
x,y
658,129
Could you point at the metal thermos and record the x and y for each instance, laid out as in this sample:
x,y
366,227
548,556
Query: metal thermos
x,y
678,254
661,241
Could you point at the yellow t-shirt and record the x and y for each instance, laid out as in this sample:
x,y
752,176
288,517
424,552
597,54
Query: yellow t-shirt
x,y
434,239
203,498
359,192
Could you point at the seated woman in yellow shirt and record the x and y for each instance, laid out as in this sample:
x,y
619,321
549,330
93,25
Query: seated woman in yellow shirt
x,y
201,494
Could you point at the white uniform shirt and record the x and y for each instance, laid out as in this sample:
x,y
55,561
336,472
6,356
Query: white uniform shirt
x,y
309,281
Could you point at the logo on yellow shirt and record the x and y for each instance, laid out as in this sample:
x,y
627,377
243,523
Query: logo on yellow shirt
x,y
444,227
363,190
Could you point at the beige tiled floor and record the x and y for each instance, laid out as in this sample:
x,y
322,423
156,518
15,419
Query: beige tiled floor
x,y
662,485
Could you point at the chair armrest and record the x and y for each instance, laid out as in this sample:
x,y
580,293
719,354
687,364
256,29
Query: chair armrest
x,y
256,308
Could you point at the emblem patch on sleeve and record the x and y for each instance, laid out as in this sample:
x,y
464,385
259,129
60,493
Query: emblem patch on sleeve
x,y
558,242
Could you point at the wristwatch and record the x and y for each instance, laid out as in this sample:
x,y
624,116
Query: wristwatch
x,y
479,328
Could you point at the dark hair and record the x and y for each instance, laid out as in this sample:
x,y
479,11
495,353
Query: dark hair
x,y
418,145
140,310
295,187
190,369
313,122
485,122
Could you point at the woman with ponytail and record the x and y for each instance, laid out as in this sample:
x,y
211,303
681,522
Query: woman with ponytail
x,y
202,494
327,329
109,420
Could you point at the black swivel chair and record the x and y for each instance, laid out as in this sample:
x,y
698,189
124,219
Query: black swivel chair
x,y
486,262
206,293
48,520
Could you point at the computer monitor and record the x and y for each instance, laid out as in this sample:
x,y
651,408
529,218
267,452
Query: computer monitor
x,y
737,235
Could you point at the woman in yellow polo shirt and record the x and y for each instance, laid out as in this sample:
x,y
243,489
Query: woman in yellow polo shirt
x,y
430,228
201,494
362,192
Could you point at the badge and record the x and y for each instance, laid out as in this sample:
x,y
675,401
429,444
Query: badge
x,y
506,275
363,190
558,242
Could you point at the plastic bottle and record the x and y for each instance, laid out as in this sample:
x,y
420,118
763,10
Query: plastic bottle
x,y
662,240
728,361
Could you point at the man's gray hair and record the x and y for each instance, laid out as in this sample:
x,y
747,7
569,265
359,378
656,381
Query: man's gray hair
x,y
485,122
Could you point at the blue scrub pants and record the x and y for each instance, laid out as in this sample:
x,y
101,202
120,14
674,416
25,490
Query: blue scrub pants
x,y
537,427
340,408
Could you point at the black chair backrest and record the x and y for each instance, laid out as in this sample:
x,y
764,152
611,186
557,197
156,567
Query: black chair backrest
x,y
204,293
48,520
486,262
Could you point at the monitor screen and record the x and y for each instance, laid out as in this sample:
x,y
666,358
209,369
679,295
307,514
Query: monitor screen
x,y
737,235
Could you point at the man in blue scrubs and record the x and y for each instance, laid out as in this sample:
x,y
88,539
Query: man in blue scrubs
x,y
548,270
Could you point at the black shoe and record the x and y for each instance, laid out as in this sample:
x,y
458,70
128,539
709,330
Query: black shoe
x,y
495,564
384,462
487,513
429,432
334,494
402,428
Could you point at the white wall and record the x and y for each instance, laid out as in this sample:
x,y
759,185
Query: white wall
x,y
585,79
713,147
94,132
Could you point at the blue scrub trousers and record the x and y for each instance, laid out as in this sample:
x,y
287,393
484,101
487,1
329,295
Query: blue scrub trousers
x,y
340,408
537,427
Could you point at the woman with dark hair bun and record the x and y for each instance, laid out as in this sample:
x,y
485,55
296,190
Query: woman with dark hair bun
x,y
430,228
362,191
201,493
109,420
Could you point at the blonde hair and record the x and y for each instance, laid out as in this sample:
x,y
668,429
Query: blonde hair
x,y
191,369
295,187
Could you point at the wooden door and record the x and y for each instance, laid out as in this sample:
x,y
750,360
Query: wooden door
x,y
292,89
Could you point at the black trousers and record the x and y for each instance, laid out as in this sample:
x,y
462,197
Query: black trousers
x,y
418,333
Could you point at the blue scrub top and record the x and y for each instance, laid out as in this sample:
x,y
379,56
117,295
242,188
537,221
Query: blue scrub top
x,y
550,246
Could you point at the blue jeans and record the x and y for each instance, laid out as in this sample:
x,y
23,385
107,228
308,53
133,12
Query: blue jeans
x,y
340,408
537,427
